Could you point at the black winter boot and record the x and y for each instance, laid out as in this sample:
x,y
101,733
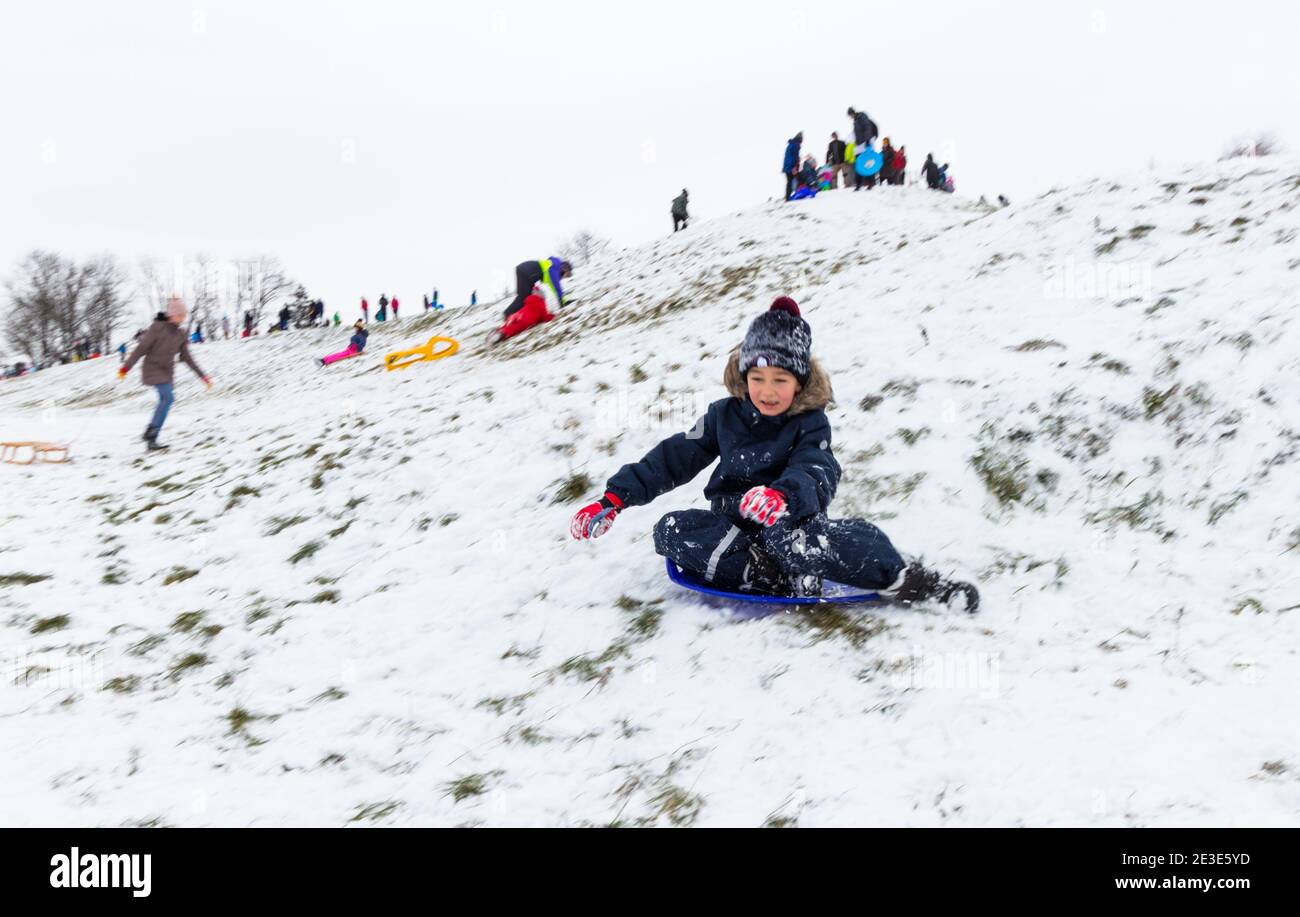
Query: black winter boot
x,y
151,441
762,574
804,585
919,584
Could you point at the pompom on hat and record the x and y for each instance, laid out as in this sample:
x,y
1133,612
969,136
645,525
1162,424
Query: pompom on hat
x,y
781,338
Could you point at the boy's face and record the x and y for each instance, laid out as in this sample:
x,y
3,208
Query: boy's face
x,y
771,389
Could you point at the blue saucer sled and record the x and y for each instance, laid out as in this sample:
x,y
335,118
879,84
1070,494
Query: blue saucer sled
x,y
868,162
832,593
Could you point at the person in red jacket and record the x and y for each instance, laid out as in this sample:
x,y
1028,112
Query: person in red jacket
x,y
394,308
365,310
900,164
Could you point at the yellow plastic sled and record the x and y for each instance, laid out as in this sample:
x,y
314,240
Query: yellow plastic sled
x,y
400,359
25,453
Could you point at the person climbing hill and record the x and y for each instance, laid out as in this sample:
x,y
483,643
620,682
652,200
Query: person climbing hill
x,y
533,312
547,271
679,211
767,529
158,347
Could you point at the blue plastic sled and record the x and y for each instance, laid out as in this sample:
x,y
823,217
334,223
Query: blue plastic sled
x,y
868,163
803,193
832,593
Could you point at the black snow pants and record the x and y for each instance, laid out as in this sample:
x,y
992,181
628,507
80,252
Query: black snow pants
x,y
715,547
527,275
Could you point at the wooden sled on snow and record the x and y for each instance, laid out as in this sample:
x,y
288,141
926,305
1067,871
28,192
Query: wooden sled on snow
x,y
27,453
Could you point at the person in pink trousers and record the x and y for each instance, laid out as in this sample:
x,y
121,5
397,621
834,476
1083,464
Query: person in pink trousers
x,y
355,346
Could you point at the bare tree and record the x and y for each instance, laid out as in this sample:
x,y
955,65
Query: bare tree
x,y
58,305
72,280
106,301
261,280
583,247
204,289
30,324
157,282
1263,144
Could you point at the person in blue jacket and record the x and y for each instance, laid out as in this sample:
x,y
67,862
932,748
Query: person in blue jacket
x,y
547,271
790,165
766,530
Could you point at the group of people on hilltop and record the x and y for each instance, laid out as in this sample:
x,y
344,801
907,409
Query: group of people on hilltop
x,y
381,314
804,177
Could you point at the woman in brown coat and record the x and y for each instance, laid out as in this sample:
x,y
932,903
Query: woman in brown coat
x,y
159,347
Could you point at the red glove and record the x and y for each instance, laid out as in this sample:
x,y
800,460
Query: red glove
x,y
122,371
763,505
594,520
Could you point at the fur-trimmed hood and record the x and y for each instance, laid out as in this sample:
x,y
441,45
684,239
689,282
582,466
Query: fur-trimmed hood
x,y
815,395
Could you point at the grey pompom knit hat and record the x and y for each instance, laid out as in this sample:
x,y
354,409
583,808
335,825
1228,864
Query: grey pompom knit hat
x,y
781,338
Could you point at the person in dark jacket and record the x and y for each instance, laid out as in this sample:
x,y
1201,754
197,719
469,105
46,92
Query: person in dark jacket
x,y
159,347
285,315
864,134
767,529
679,211
808,174
381,314
931,172
864,129
790,165
835,159
886,162
528,274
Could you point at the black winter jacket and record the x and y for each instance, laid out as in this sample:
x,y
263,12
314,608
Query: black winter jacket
x,y
791,453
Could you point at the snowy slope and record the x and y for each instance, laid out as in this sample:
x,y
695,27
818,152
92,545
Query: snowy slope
x,y
347,595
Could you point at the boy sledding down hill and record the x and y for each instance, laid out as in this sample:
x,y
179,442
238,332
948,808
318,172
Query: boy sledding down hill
x,y
767,530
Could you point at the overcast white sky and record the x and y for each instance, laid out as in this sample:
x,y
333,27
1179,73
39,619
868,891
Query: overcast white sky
x,y
394,146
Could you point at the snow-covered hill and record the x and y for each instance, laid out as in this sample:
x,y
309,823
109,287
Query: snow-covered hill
x,y
349,596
